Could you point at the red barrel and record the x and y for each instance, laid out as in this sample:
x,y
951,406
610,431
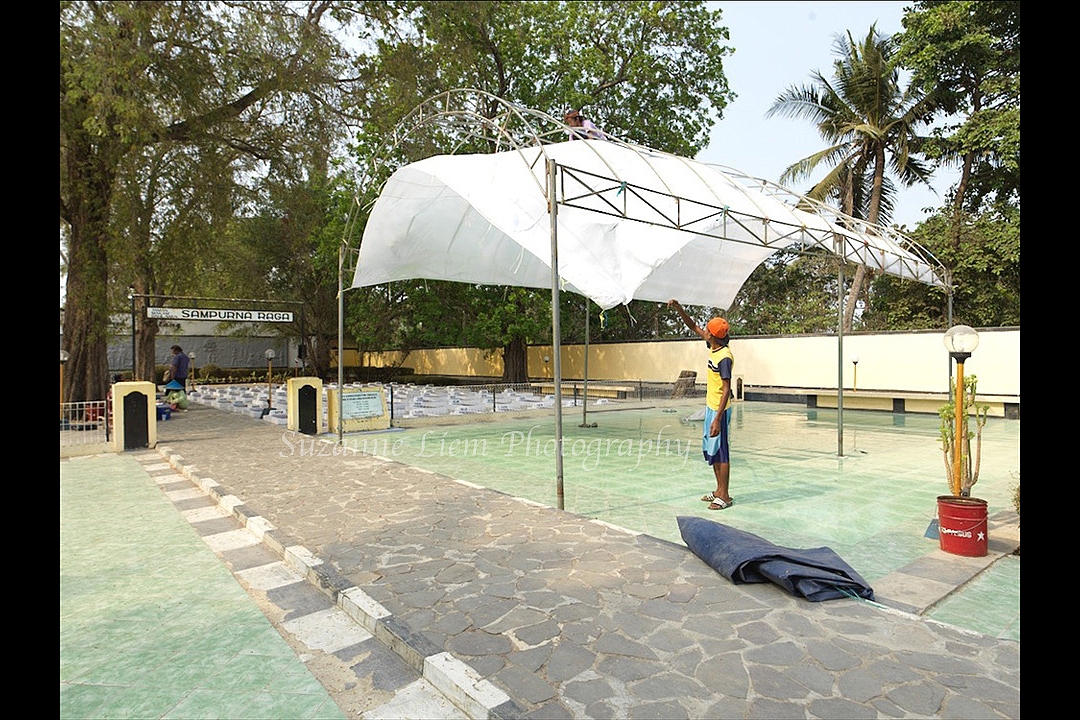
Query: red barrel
x,y
962,525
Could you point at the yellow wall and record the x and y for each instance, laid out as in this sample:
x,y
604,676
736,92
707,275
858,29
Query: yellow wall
x,y
437,361
907,362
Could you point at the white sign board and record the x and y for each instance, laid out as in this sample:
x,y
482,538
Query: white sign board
x,y
361,410
218,315
359,405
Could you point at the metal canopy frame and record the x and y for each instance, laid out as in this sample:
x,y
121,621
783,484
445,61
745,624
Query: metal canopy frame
x,y
463,119
880,249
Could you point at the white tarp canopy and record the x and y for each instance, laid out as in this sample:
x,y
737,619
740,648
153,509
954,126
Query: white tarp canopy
x,y
632,223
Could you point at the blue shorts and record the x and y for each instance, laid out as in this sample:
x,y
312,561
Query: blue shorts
x,y
716,449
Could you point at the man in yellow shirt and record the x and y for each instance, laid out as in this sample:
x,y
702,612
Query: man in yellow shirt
x,y
716,430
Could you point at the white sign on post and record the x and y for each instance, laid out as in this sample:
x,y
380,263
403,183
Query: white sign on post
x,y
217,315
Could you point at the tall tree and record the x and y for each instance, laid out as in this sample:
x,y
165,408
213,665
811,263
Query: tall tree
x,y
646,71
872,126
969,53
170,206
138,74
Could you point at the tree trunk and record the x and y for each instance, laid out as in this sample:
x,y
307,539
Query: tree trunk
x,y
86,371
146,343
515,362
857,285
318,357
862,277
86,306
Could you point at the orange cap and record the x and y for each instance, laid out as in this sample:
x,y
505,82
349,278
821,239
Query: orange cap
x,y
717,327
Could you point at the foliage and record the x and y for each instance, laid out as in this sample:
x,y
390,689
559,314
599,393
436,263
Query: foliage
x,y
1016,497
639,320
201,154
968,53
870,122
649,72
429,313
148,83
951,442
208,372
789,293
288,251
985,271
171,204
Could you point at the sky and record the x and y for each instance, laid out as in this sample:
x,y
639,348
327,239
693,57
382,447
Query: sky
x,y
778,45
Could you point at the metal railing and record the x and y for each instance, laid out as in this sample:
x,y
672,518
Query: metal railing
x,y
85,427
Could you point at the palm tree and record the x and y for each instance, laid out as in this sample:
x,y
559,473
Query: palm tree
x,y
871,124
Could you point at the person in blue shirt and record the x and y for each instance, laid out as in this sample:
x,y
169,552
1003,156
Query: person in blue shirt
x,y
178,366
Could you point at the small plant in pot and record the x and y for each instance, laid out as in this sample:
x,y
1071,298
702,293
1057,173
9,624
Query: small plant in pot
x,y
962,519
973,412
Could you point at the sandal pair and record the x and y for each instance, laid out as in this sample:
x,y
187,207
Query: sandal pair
x,y
710,498
716,503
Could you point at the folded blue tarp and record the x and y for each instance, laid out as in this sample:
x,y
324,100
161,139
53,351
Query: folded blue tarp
x,y
815,574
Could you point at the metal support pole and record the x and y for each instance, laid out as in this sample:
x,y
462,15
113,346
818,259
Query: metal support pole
x,y
270,380
585,404
302,350
949,324
556,329
134,365
64,356
340,342
839,350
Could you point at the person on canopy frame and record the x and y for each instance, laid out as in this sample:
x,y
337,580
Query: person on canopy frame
x,y
581,128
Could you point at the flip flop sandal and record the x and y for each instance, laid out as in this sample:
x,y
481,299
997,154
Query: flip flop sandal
x,y
719,504
708,498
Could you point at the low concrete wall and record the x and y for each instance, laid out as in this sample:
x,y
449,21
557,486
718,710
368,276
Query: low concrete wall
x,y
913,362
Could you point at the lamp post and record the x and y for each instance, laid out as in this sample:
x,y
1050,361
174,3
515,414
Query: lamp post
x,y
960,341
269,378
855,373
63,359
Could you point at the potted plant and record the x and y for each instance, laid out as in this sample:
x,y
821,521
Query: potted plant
x,y
970,459
962,519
